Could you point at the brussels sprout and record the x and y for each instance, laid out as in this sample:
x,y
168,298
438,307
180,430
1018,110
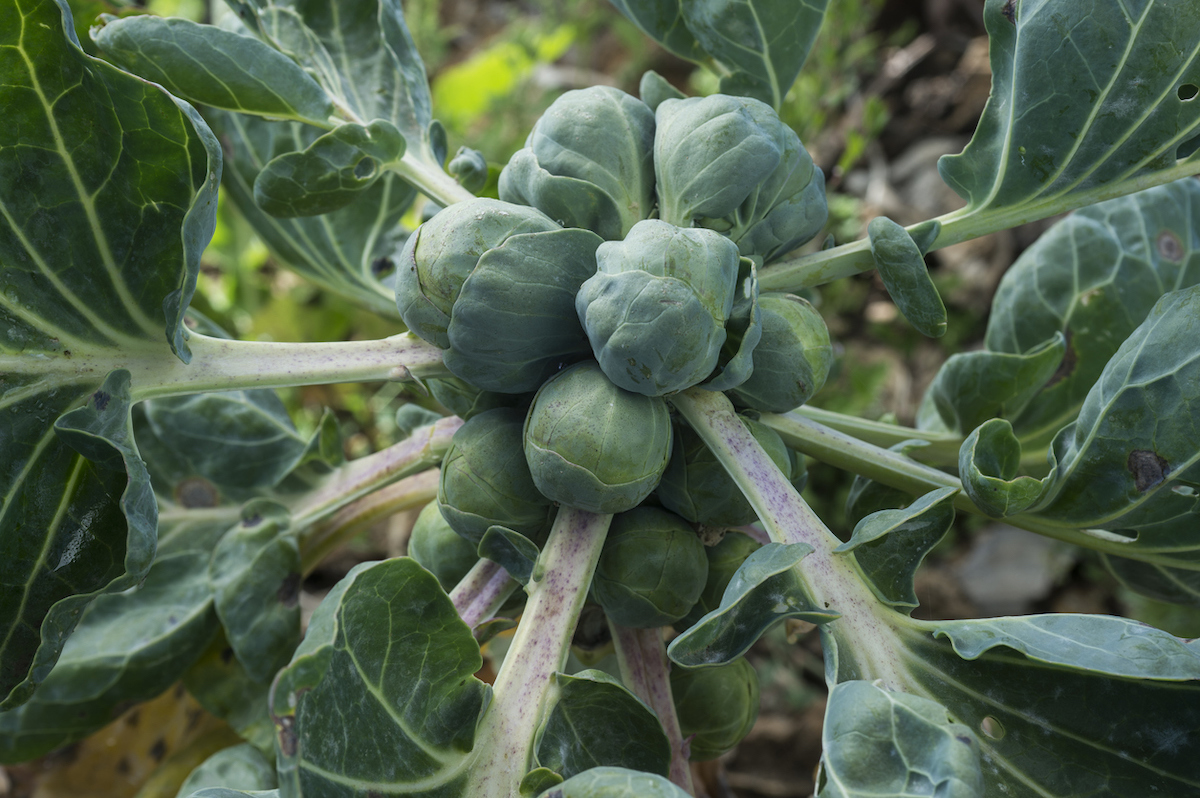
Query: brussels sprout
x,y
717,706
697,487
444,250
792,358
485,481
652,569
655,311
514,323
439,549
465,400
710,154
593,446
470,167
587,162
724,559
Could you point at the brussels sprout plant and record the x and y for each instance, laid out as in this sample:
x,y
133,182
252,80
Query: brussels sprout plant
x,y
619,337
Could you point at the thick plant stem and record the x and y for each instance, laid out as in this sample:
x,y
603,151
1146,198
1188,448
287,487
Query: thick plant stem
x,y
940,448
481,592
834,580
818,268
646,671
219,364
539,650
318,541
418,452
891,468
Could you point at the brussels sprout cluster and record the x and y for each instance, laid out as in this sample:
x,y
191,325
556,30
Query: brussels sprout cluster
x,y
617,267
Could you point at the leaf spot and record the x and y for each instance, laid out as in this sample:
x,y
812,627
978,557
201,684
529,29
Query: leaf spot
x,y
197,492
1169,246
101,399
159,749
1188,91
1148,469
1010,11
992,728
287,736
289,590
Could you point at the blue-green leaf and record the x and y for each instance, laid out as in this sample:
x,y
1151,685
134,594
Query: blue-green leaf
x,y
330,173
989,464
1083,95
765,590
213,66
512,550
107,197
386,652
901,264
596,722
889,545
893,745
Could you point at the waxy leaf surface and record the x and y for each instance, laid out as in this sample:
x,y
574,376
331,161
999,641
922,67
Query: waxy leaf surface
x,y
385,651
1083,95
107,197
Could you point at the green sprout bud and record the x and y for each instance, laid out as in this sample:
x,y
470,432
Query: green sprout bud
x,y
792,358
717,706
514,322
439,549
485,481
593,446
652,569
710,154
655,311
697,487
442,252
587,162
465,400
469,167
724,559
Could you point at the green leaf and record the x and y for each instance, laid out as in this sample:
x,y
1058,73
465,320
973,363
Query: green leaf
x,y
255,578
988,464
213,66
330,173
93,274
890,545
610,782
242,767
512,550
1130,462
361,54
538,780
901,264
352,251
757,46
1159,582
765,590
972,387
596,722
881,743
1092,277
388,643
223,687
128,647
868,496
1082,96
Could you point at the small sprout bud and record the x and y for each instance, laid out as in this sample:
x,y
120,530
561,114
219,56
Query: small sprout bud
x,y
652,569
717,706
470,168
485,481
792,359
439,549
594,446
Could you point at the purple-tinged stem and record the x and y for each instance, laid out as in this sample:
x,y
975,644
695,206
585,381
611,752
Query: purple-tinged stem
x,y
646,671
481,592
538,651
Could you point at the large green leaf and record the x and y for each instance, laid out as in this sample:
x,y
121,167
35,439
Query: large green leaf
x,y
596,722
381,694
213,66
107,197
351,251
1083,95
894,745
1091,278
757,46
128,647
